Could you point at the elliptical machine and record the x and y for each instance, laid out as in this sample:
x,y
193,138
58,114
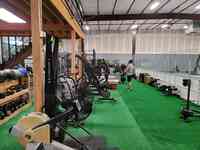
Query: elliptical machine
x,y
187,112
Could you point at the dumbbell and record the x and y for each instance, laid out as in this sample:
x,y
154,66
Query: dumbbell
x,y
2,95
18,88
2,114
14,106
7,110
17,103
24,98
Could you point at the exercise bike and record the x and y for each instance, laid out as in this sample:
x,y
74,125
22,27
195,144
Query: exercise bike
x,y
70,94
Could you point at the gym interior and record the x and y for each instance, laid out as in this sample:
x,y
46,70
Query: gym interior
x,y
99,74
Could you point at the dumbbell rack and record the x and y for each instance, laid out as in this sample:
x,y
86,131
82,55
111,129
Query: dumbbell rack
x,y
13,98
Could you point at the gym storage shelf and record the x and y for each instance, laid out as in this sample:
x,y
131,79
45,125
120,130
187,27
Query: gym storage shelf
x,y
13,97
29,104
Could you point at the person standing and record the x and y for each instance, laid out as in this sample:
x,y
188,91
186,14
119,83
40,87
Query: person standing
x,y
123,73
130,72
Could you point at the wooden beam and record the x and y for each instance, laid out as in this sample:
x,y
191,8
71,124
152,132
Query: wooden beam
x,y
73,56
15,27
61,6
47,4
15,33
37,43
27,27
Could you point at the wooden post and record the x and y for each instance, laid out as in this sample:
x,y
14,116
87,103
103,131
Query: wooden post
x,y
37,43
73,55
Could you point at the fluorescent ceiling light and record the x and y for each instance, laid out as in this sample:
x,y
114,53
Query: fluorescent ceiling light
x,y
80,7
134,26
197,7
154,5
185,27
9,17
87,27
164,26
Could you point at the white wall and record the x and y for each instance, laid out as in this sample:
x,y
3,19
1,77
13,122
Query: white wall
x,y
146,43
109,43
65,45
167,43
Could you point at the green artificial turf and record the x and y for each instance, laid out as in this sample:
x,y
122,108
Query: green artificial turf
x,y
141,119
159,119
114,121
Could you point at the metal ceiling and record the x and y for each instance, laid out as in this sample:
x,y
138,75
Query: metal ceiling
x,y
122,13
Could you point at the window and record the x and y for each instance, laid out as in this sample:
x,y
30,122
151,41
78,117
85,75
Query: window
x,y
5,48
19,43
12,44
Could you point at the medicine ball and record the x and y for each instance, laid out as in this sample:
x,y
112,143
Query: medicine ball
x,y
8,73
16,74
23,71
2,76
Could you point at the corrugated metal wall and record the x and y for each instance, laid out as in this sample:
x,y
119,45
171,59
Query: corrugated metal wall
x,y
109,43
167,43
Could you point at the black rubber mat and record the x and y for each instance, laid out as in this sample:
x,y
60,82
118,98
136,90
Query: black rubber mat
x,y
90,142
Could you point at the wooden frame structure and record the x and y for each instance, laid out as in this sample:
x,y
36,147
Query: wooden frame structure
x,y
51,16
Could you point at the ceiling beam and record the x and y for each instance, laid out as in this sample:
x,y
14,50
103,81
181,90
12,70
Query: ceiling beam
x,y
149,3
130,7
178,6
180,11
142,16
15,33
64,10
14,27
127,12
157,11
49,11
113,10
162,6
147,23
195,2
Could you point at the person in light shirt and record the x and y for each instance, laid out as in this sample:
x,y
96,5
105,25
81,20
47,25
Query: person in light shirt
x,y
130,72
